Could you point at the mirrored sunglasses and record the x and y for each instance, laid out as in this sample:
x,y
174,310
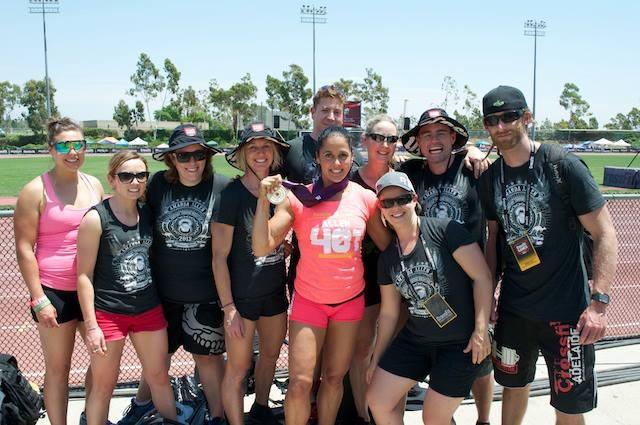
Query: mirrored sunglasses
x,y
64,146
506,118
200,155
126,177
399,201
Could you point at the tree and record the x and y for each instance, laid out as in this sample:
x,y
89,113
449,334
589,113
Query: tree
x,y
34,100
348,87
137,114
470,117
578,108
374,95
235,102
290,94
122,115
450,89
172,76
147,81
630,121
9,99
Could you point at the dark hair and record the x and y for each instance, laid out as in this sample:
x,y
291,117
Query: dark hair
x,y
59,125
171,175
333,131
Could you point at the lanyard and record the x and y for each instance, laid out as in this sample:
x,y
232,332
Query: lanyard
x,y
403,267
505,210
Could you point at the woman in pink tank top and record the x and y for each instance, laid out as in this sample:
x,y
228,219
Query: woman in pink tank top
x,y
330,223
48,214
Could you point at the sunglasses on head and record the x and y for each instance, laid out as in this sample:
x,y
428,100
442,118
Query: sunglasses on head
x,y
506,118
200,155
379,138
64,146
399,201
127,177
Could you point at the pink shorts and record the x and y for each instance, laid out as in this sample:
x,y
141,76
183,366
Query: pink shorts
x,y
117,326
318,315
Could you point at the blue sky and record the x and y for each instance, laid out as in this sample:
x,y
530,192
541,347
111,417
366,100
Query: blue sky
x,y
94,46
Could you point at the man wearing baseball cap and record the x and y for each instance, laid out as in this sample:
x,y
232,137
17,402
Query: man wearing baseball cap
x,y
447,189
542,198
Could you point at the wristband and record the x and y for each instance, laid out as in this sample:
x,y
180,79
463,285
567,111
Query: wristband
x,y
227,305
37,301
41,305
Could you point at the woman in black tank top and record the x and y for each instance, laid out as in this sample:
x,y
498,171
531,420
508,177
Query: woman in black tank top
x,y
116,292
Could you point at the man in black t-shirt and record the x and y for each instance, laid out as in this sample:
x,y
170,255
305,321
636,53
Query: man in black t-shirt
x,y
447,189
541,199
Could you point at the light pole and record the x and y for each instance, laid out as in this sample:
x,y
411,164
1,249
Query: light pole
x,y
534,28
44,7
313,15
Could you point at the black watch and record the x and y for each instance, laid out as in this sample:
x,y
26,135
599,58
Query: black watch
x,y
600,297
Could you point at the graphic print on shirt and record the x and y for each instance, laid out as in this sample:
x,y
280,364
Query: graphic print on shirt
x,y
336,237
183,223
131,261
421,286
539,214
444,201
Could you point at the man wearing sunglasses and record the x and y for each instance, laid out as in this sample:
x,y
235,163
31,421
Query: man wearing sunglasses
x,y
446,188
541,198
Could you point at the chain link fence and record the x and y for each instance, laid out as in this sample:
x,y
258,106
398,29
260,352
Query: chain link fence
x,y
19,336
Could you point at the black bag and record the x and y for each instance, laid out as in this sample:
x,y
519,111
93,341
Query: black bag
x,y
20,404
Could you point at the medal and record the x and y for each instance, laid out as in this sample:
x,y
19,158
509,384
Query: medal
x,y
277,196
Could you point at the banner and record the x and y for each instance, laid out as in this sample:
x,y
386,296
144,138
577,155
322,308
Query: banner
x,y
352,114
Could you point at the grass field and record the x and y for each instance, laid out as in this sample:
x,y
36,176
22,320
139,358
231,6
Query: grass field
x,y
16,172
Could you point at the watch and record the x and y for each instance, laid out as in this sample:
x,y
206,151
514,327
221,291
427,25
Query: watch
x,y
600,297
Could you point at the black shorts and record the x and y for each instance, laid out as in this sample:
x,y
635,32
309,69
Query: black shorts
x,y
451,371
267,306
570,365
196,327
66,304
485,368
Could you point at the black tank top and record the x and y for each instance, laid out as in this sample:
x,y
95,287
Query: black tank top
x,y
122,279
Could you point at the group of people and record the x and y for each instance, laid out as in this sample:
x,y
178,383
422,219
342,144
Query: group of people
x,y
393,268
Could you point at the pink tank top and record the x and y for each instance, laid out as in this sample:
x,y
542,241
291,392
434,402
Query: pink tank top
x,y
56,243
330,236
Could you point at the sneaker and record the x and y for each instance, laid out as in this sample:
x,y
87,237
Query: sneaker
x,y
262,415
135,411
184,412
83,420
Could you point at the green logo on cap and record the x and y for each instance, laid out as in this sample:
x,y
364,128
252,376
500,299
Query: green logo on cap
x,y
498,103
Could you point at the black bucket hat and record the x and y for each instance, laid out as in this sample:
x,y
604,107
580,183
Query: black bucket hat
x,y
434,116
257,130
182,136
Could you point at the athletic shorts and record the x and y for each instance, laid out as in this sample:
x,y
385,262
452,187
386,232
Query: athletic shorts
x,y
570,365
267,306
198,328
117,326
451,371
65,302
318,315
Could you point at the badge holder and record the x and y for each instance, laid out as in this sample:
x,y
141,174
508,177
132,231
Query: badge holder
x,y
525,253
440,310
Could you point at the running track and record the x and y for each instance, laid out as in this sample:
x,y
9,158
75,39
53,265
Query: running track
x,y
19,337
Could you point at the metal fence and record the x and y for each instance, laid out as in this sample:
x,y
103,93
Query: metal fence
x,y
19,336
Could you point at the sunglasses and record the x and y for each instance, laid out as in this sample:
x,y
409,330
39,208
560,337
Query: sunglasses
x,y
200,155
65,146
506,118
399,201
379,138
126,177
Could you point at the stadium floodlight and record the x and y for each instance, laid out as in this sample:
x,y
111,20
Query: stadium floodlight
x,y
534,28
43,7
310,14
